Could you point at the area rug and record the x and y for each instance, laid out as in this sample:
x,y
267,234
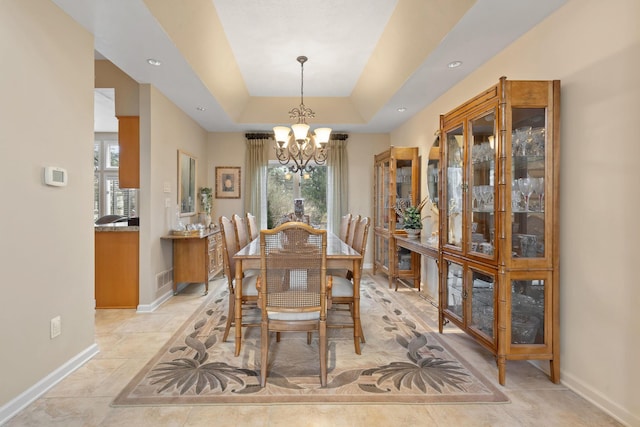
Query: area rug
x,y
402,361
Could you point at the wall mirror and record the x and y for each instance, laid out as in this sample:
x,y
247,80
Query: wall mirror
x,y
433,171
186,183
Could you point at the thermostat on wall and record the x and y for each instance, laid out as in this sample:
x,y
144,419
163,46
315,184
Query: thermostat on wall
x,y
55,176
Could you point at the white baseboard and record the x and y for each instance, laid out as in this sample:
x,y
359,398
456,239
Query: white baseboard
x,y
32,393
601,401
150,308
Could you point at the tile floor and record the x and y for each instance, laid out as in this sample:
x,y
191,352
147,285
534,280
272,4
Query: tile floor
x,y
127,340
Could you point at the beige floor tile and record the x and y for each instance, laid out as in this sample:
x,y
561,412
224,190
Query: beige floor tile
x,y
228,416
127,340
63,412
168,416
490,415
86,380
147,322
555,408
137,345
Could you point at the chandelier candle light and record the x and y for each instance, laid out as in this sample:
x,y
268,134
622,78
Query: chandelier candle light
x,y
305,146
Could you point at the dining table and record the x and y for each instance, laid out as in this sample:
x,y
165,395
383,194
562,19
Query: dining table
x,y
339,256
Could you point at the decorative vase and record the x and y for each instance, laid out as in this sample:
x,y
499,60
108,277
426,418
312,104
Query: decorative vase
x,y
412,233
207,220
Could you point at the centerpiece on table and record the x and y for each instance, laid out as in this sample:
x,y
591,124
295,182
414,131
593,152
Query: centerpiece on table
x,y
206,194
411,217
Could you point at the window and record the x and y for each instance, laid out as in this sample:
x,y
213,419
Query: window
x,y
109,198
284,186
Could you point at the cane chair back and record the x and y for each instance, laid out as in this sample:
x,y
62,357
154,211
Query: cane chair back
x,y
249,291
254,230
293,286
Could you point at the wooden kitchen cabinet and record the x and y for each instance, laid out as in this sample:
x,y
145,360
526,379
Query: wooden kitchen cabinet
x,y
129,142
499,221
116,269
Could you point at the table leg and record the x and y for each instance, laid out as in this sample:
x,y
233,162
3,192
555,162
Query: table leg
x,y
356,305
238,306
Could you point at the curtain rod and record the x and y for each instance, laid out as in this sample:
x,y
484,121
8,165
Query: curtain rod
x,y
265,135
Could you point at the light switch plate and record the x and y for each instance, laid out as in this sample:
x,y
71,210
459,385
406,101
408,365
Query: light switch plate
x,y
56,326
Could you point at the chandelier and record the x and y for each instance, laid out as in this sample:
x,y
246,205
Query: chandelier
x,y
305,146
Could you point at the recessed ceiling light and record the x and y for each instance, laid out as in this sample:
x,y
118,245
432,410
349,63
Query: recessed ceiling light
x,y
201,109
154,62
454,64
402,109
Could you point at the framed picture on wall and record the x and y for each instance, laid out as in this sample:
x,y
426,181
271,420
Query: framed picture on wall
x,y
227,182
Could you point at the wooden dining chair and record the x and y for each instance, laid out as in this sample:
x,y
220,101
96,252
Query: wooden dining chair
x,y
348,225
293,287
254,230
249,291
242,239
345,221
241,233
343,289
352,230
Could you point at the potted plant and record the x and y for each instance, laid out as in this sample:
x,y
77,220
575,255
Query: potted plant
x,y
411,217
205,200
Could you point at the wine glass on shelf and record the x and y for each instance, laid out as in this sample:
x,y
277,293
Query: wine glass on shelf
x,y
540,193
534,192
487,197
476,195
525,186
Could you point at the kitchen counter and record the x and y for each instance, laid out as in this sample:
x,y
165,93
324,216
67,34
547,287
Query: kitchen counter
x,y
117,226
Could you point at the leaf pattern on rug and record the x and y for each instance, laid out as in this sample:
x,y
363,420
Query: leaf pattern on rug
x,y
432,372
185,373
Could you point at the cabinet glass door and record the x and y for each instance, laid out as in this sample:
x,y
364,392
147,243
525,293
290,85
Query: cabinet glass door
x,y
382,250
482,303
528,186
404,198
528,299
455,288
482,188
454,159
382,186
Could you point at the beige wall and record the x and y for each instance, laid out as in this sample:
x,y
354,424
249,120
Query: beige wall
x,y
229,149
164,129
593,47
127,96
46,118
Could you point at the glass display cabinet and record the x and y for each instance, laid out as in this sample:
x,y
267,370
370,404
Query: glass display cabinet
x,y
396,182
499,233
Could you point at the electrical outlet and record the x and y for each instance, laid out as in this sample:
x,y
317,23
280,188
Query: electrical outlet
x,y
56,326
